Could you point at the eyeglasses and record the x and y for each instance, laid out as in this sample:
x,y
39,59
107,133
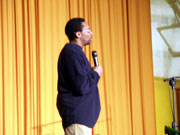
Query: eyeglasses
x,y
89,31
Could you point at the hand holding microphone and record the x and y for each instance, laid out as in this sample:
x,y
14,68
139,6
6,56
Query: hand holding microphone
x,y
97,68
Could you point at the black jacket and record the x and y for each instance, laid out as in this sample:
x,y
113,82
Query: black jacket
x,y
78,96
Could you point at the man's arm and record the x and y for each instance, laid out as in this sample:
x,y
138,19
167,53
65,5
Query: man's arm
x,y
83,81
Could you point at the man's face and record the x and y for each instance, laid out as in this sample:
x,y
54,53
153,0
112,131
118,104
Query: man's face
x,y
86,34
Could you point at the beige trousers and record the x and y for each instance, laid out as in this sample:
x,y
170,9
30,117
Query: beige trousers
x,y
78,129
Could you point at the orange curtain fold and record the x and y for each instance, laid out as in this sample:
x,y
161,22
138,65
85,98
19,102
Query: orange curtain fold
x,y
31,38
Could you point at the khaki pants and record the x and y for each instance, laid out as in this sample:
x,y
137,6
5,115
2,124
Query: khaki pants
x,y
78,129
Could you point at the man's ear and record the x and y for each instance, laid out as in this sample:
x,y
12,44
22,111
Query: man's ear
x,y
78,34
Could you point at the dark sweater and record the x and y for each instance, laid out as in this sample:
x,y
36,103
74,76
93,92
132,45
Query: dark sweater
x,y
78,96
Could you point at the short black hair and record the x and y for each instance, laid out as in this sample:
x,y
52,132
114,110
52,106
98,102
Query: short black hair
x,y
73,25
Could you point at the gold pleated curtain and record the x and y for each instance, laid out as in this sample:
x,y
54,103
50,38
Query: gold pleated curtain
x,y
31,38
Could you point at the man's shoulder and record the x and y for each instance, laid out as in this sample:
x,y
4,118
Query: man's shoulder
x,y
71,49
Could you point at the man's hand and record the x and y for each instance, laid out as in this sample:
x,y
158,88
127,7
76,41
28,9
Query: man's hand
x,y
98,69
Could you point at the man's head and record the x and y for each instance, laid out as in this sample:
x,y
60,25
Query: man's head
x,y
78,30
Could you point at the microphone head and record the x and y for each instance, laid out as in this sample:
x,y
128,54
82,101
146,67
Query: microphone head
x,y
94,53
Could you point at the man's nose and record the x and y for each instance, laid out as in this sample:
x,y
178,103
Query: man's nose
x,y
91,32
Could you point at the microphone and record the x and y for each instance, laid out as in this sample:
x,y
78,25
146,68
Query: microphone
x,y
172,78
94,55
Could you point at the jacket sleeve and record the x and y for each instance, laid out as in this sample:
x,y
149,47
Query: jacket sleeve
x,y
82,80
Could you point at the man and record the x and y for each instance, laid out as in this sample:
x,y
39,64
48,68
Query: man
x,y
78,97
